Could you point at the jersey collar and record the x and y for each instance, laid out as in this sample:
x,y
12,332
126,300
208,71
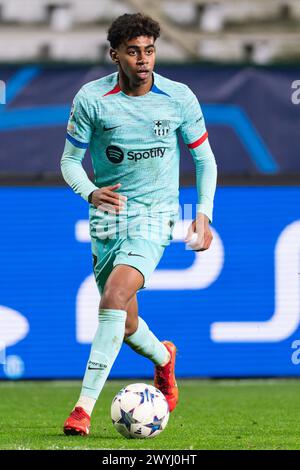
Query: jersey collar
x,y
153,89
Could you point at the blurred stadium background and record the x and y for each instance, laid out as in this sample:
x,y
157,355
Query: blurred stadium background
x,y
233,311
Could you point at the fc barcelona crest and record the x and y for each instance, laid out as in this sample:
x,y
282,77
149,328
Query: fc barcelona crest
x,y
161,127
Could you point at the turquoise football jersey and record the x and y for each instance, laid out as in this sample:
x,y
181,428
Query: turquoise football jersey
x,y
133,140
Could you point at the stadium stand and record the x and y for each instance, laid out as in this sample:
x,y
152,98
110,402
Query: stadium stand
x,y
259,31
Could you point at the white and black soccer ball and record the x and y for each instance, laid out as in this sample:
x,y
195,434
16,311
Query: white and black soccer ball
x,y
139,411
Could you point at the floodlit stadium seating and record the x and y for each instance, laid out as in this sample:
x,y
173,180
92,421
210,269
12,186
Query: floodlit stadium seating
x,y
258,31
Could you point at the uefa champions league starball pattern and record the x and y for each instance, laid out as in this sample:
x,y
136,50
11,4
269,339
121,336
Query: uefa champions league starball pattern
x,y
139,411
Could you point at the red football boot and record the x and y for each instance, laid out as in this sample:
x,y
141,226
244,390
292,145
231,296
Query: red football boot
x,y
164,378
77,423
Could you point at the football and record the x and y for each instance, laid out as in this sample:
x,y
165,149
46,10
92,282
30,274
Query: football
x,y
139,411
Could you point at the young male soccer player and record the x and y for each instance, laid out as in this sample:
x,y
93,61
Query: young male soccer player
x,y
129,120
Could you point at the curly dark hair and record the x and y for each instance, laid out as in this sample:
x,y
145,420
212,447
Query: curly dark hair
x,y
128,26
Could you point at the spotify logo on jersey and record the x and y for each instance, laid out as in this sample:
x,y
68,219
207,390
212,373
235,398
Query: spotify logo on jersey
x,y
114,154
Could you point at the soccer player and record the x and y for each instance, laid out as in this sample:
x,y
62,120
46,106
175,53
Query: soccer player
x,y
130,120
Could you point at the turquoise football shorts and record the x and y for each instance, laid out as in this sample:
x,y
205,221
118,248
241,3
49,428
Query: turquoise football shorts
x,y
142,254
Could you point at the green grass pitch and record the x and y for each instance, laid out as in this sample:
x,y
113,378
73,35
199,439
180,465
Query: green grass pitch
x,y
221,414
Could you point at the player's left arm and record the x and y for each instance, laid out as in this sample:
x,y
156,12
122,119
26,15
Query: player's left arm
x,y
196,137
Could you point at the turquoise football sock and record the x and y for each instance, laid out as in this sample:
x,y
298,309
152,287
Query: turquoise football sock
x,y
105,348
144,342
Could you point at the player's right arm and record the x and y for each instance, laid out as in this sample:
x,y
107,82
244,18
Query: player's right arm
x,y
79,133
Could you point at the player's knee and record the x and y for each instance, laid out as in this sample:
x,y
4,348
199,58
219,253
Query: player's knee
x,y
114,297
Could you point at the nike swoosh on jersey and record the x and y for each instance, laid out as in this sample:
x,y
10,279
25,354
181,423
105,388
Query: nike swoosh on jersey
x,y
135,254
109,128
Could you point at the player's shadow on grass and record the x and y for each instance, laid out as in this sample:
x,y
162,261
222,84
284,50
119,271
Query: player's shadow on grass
x,y
92,437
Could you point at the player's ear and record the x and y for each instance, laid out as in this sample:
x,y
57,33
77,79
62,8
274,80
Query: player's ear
x,y
114,56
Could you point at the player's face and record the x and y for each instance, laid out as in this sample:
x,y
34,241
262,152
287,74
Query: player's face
x,y
137,58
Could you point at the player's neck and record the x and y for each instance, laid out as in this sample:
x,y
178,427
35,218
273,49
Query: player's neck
x,y
134,89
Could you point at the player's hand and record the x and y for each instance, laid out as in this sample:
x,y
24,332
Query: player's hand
x,y
199,236
107,200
